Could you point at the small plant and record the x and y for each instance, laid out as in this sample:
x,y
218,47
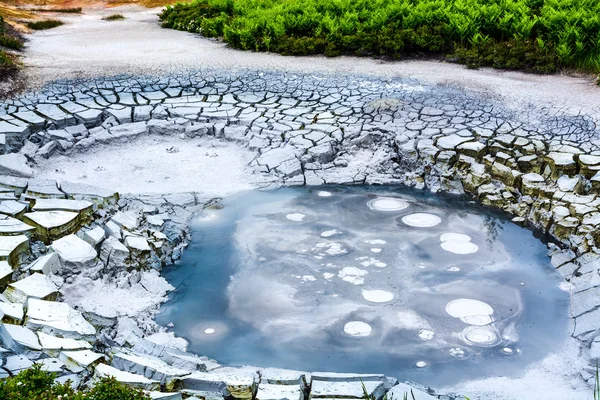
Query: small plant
x,y
411,394
9,39
597,384
34,383
368,396
111,389
7,63
46,24
38,384
73,10
11,42
114,17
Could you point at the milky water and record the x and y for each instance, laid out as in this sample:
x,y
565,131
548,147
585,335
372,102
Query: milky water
x,y
363,279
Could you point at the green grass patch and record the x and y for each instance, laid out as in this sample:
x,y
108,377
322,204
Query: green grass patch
x,y
8,37
73,10
10,42
37,384
46,24
6,62
534,35
114,17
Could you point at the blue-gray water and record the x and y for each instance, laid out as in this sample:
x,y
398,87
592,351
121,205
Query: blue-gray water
x,y
279,278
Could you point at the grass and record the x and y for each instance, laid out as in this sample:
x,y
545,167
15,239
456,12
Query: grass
x,y
114,17
72,10
9,36
412,395
540,36
34,383
597,382
13,14
10,42
46,24
8,62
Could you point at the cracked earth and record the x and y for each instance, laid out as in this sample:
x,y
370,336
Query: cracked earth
x,y
193,117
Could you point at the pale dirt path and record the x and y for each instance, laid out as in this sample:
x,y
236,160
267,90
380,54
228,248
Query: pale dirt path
x,y
88,46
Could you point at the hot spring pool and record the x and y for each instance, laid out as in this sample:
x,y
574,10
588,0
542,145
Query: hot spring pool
x,y
365,279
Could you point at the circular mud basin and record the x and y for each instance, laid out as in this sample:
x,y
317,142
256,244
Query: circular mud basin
x,y
363,279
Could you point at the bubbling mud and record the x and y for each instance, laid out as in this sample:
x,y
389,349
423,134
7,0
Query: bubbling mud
x,y
421,220
387,204
458,243
472,312
358,328
377,296
368,280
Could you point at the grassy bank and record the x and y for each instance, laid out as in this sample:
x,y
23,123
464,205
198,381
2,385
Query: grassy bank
x,y
533,35
9,41
35,383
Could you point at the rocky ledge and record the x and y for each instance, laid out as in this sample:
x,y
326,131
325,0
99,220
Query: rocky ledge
x,y
80,265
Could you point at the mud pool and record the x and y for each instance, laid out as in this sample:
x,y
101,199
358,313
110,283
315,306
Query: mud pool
x,y
387,280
